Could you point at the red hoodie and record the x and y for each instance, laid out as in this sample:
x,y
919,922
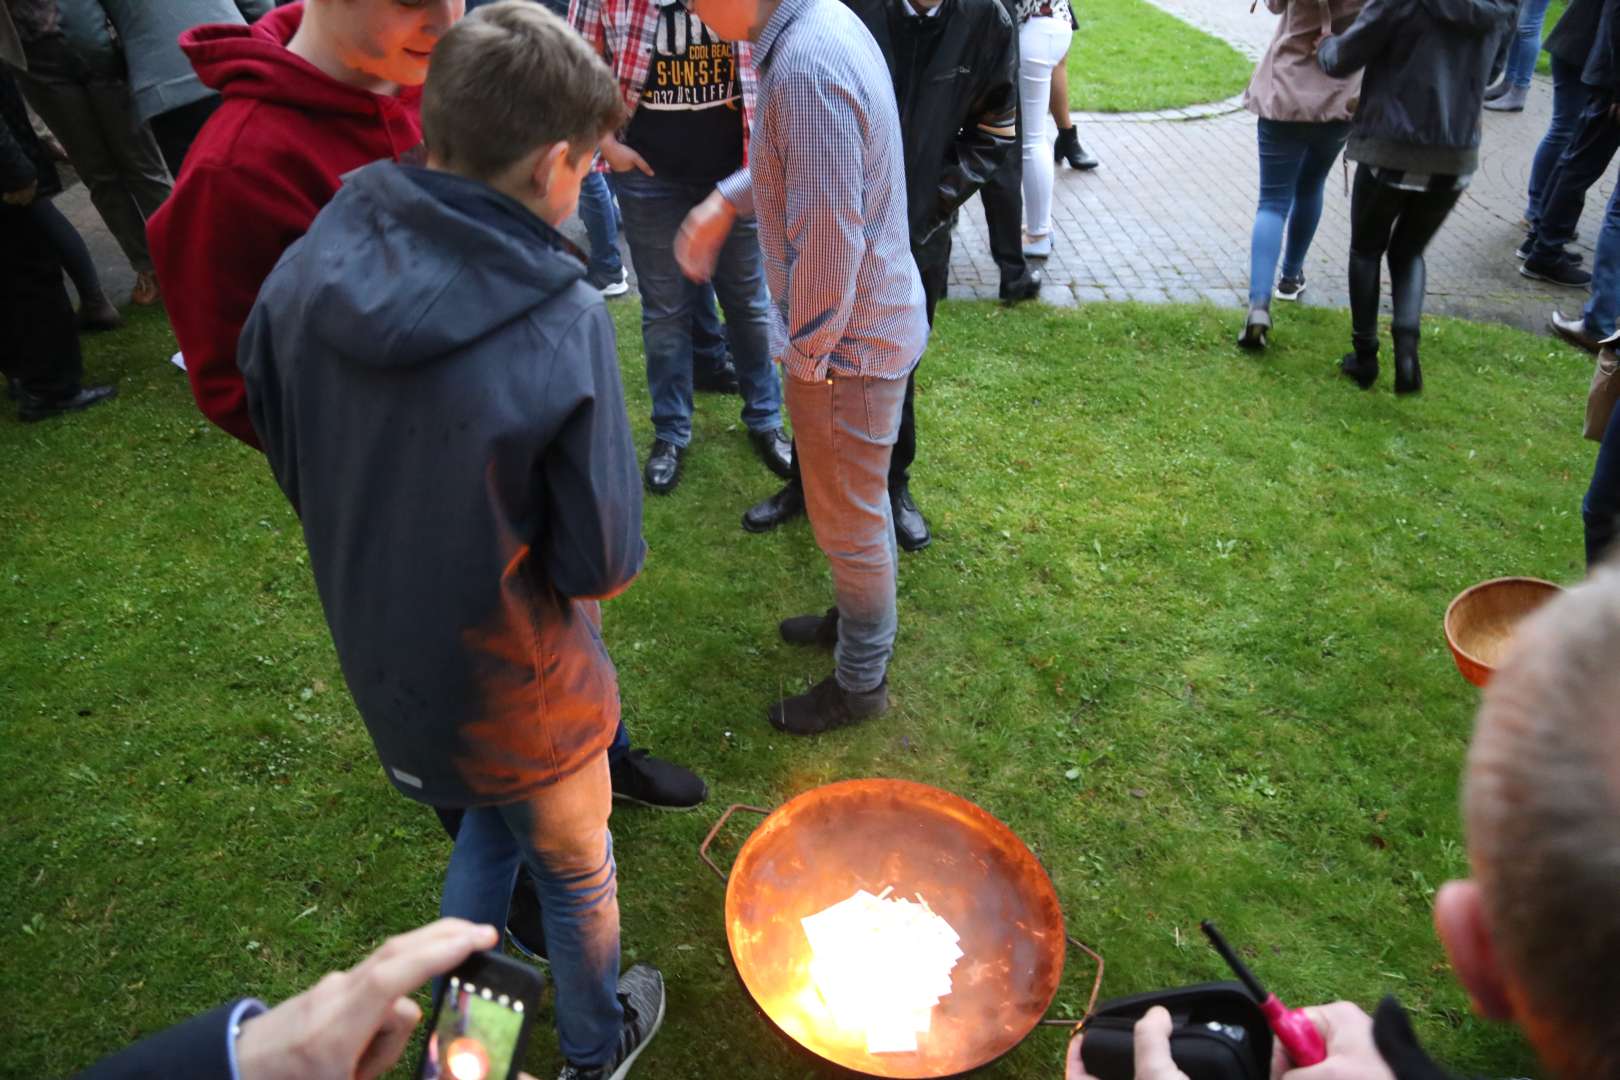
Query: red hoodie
x,y
261,169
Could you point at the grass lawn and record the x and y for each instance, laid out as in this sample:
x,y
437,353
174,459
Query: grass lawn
x,y
1555,11
1180,629
1130,56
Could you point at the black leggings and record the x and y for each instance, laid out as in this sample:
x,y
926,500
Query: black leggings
x,y
1401,223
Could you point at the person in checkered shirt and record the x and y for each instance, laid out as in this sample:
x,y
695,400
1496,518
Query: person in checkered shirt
x,y
687,93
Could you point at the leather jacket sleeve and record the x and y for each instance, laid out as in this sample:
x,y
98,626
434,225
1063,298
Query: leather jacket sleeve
x,y
988,130
1349,52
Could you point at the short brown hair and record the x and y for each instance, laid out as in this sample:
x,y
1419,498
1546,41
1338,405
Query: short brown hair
x,y
509,78
1542,801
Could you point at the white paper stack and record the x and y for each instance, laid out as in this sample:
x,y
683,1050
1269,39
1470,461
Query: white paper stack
x,y
881,964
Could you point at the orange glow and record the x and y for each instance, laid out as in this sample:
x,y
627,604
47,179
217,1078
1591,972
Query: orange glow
x,y
467,1059
877,966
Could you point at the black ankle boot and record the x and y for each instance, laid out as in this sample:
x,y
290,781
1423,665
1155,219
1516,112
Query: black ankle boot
x,y
1408,372
1361,365
1068,148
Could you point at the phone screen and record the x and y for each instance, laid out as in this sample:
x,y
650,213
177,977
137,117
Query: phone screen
x,y
476,1036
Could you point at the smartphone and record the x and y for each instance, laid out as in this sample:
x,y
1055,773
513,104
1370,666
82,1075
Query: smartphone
x,y
482,1020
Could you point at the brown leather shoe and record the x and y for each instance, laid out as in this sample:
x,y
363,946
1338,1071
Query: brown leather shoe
x,y
1574,331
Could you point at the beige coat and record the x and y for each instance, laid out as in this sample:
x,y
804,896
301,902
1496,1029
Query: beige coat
x,y
1288,84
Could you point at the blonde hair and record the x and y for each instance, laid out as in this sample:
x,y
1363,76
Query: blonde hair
x,y
1542,802
508,79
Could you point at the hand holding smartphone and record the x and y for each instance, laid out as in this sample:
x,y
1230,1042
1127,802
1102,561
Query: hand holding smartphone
x,y
482,1020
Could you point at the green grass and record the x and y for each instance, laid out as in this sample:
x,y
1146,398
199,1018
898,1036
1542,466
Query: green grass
x,y
1555,11
1129,56
1180,629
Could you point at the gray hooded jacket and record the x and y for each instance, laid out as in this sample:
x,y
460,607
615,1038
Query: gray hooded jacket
x,y
437,390
159,74
1425,65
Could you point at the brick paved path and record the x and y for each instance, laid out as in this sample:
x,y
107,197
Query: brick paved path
x,y
1167,217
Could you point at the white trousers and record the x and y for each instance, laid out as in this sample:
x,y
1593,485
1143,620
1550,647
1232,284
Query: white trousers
x,y
1042,44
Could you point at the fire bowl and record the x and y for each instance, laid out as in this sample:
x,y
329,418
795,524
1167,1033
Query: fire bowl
x,y
1481,621
820,847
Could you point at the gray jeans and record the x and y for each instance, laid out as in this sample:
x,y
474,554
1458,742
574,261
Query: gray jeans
x,y
113,152
846,427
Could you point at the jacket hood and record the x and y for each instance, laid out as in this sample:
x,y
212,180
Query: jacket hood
x,y
1474,16
253,62
407,265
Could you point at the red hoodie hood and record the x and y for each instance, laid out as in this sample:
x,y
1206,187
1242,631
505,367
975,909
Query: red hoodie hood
x,y
253,62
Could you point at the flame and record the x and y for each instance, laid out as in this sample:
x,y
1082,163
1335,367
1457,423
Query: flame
x,y
877,967
467,1060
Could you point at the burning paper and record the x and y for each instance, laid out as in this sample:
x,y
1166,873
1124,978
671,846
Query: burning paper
x,y
880,964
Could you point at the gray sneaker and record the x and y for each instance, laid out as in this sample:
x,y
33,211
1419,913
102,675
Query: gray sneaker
x,y
641,992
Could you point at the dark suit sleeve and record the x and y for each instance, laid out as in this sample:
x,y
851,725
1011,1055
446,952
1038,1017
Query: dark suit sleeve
x,y
1349,52
592,545
198,1049
16,167
988,130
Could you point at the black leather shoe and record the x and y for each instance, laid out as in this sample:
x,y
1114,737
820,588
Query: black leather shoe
x,y
767,514
37,408
663,469
910,527
826,706
1067,148
640,778
1027,287
819,630
775,449
719,379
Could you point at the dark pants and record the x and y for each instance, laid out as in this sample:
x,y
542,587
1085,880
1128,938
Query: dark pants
x,y
1387,221
39,339
70,248
1003,198
1570,98
1582,164
1600,510
177,129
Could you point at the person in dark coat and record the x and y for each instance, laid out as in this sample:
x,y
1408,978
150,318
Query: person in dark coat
x,y
1415,138
39,335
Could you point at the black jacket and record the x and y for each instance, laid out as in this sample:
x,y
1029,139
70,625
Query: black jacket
x,y
198,1049
23,159
1571,39
1426,65
437,391
956,83
1602,70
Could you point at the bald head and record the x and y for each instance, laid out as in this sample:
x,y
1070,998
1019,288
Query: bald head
x,y
1542,802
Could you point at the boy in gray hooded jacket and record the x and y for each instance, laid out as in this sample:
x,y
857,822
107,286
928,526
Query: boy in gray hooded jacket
x,y
436,388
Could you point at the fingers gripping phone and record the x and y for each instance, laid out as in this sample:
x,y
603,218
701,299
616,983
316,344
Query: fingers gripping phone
x,y
482,1020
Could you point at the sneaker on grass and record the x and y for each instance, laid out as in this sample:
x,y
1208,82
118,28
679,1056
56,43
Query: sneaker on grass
x,y
641,992
612,287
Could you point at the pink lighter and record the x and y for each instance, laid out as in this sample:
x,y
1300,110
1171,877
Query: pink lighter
x,y
1292,1027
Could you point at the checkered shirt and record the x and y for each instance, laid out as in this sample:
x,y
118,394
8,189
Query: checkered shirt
x,y
623,32
827,181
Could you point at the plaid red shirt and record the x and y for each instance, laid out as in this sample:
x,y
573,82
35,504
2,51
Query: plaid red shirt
x,y
623,33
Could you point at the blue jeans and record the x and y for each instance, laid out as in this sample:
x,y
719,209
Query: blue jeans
x,y
1603,307
560,834
845,427
1570,97
1295,159
602,226
1600,509
1526,45
653,211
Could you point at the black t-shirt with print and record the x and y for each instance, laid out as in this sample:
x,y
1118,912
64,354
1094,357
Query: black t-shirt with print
x,y
688,121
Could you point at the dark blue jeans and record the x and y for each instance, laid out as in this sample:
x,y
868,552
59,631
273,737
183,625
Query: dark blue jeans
x,y
1600,510
1295,159
1602,309
601,220
1526,44
1570,97
653,211
1582,164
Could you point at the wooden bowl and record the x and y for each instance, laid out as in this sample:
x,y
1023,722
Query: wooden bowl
x,y
1481,621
